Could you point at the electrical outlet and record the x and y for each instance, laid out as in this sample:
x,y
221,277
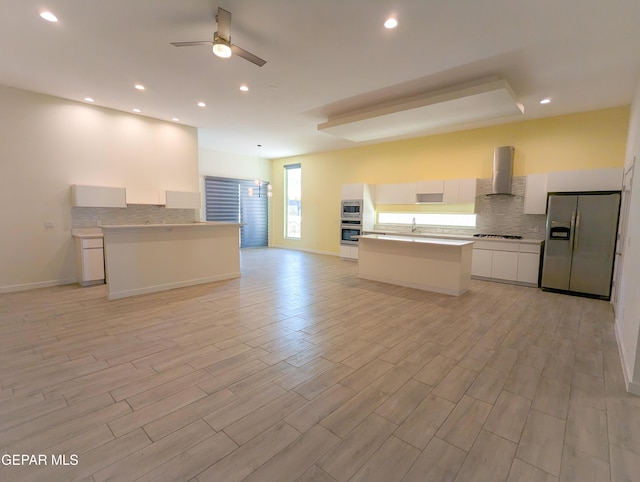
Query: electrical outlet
x,y
48,224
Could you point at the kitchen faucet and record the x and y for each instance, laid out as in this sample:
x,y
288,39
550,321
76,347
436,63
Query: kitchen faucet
x,y
413,225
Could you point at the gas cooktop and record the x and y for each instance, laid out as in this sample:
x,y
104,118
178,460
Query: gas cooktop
x,y
501,236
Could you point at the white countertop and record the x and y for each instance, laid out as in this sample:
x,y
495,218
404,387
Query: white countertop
x,y
87,233
208,224
453,236
418,239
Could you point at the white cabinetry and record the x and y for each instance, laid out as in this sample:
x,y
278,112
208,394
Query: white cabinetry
x,y
98,196
506,261
504,265
467,190
404,193
352,191
90,261
449,191
528,263
586,180
535,197
430,191
349,252
481,263
183,200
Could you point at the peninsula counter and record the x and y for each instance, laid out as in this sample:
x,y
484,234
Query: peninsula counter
x,y
153,257
439,265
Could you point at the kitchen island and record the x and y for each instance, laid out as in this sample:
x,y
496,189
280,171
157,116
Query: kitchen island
x,y
431,264
154,257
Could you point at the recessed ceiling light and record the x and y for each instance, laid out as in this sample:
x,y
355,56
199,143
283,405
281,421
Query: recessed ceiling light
x,y
137,111
244,88
201,104
88,99
175,119
49,17
391,23
139,86
545,101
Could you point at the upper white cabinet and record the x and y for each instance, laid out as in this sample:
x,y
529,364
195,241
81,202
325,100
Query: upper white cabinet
x,y
404,193
535,197
586,180
98,196
449,191
467,190
183,200
538,185
353,191
430,191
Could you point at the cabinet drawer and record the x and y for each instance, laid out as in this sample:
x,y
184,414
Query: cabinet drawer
x,y
92,243
504,265
496,245
530,248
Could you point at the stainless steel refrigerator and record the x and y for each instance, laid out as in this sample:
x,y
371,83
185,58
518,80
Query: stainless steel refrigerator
x,y
580,243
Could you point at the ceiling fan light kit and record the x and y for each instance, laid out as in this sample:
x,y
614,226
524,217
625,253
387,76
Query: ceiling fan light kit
x,y
221,49
222,46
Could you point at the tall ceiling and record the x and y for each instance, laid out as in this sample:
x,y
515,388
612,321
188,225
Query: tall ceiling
x,y
324,58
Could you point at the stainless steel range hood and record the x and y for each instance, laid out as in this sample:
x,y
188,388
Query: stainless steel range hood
x,y
502,170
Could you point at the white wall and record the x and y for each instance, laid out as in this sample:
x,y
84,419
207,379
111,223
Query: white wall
x,y
628,307
234,166
46,145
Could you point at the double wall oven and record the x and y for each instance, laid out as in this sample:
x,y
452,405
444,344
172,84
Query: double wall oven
x,y
350,222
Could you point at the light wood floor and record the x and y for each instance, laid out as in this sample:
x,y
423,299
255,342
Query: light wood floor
x,y
301,371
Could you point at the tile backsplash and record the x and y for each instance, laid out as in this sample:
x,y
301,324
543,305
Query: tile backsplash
x,y
503,214
500,214
133,214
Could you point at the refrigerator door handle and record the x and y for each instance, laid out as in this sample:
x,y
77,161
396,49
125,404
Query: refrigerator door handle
x,y
572,230
576,232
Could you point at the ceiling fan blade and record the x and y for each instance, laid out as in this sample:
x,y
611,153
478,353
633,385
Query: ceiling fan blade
x,y
224,24
240,52
192,44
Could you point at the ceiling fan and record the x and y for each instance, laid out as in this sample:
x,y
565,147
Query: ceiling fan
x,y
222,45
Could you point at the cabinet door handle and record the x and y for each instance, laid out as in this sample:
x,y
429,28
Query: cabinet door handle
x,y
576,232
572,230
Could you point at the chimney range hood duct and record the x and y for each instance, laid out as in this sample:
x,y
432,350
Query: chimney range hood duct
x,y
502,170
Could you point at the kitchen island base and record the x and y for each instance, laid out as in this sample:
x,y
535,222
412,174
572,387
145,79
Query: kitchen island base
x,y
438,265
148,258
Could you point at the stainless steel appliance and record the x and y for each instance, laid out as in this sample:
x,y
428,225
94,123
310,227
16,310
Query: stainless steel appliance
x,y
351,209
349,230
580,243
497,236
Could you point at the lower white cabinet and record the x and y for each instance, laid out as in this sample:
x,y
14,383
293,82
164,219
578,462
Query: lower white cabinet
x,y
348,252
528,267
481,263
506,261
504,265
90,261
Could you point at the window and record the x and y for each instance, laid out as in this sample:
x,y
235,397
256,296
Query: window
x,y
228,200
293,211
429,219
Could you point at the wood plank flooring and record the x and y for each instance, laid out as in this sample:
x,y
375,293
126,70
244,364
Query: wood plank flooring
x,y
301,371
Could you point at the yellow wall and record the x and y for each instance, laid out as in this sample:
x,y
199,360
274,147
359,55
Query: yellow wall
x,y
588,140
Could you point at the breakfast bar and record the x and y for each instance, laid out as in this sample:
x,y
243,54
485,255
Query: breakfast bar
x,y
154,257
431,264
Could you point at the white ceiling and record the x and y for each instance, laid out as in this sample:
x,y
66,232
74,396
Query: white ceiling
x,y
325,58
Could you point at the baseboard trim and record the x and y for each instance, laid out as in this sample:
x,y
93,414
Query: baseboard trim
x,y
37,285
170,286
307,250
632,387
